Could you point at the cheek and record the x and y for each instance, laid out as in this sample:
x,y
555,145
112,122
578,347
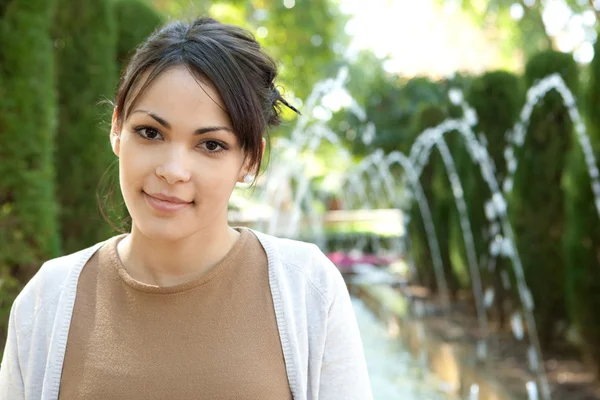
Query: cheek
x,y
216,180
133,165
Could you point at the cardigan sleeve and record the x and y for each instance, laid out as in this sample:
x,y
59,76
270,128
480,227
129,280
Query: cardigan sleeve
x,y
344,373
11,380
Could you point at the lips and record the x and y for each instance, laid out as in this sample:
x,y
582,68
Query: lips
x,y
166,204
170,199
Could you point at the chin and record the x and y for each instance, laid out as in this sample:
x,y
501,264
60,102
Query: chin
x,y
170,231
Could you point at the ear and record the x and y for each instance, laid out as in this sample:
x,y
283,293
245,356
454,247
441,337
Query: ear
x,y
115,134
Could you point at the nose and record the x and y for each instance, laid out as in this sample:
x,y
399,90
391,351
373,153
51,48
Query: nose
x,y
173,166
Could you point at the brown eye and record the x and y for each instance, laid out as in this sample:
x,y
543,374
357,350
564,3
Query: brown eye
x,y
147,133
213,147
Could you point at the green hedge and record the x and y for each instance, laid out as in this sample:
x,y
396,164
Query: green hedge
x,y
582,247
28,216
436,189
582,232
537,205
497,98
85,34
136,20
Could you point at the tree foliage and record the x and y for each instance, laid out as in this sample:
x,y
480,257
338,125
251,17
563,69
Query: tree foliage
x,y
305,39
529,33
582,232
497,97
389,101
85,33
435,185
537,206
28,216
136,19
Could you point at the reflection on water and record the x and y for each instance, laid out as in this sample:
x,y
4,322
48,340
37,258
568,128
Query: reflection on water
x,y
394,373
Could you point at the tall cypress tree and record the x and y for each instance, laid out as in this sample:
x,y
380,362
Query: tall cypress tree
x,y
136,20
582,231
86,41
28,218
537,207
435,187
497,98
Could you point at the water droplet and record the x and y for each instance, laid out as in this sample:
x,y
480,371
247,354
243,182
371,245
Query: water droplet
x,y
482,139
494,248
499,203
516,324
474,392
507,185
471,117
569,100
457,191
490,211
527,298
509,153
533,358
494,229
519,138
482,350
488,299
512,165
456,96
507,248
532,390
369,134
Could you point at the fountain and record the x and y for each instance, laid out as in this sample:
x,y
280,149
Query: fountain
x,y
310,134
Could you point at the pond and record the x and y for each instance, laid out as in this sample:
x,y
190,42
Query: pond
x,y
394,373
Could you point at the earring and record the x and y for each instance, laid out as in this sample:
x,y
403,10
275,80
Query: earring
x,y
248,178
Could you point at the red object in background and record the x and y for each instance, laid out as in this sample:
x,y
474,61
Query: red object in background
x,y
345,261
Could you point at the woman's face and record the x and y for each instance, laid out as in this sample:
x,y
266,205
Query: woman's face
x,y
178,157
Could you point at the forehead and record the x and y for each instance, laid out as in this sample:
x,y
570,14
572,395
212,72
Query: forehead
x,y
178,93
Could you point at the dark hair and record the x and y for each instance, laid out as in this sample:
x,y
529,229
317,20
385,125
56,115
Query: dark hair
x,y
230,58
234,63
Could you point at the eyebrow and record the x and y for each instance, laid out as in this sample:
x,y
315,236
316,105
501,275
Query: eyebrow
x,y
199,131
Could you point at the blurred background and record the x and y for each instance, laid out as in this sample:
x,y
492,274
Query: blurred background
x,y
446,161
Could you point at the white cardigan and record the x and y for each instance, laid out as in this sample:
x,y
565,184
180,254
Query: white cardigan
x,y
319,335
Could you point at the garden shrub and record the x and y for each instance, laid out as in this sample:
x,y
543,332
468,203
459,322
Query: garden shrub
x,y
136,20
497,97
436,189
85,37
582,230
537,204
28,215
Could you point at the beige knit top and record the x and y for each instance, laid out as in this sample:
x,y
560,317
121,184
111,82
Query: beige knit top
x,y
213,338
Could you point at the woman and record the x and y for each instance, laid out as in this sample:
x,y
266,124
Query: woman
x,y
185,306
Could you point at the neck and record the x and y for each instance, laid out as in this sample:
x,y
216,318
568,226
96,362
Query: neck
x,y
167,263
